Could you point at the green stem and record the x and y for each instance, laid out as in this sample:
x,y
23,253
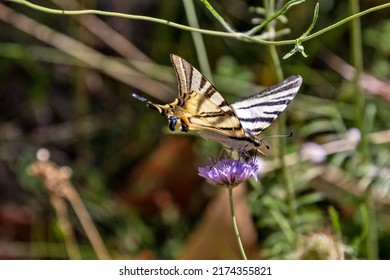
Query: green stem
x,y
121,15
198,39
347,19
237,233
357,61
372,226
283,10
277,66
217,16
286,176
298,46
235,35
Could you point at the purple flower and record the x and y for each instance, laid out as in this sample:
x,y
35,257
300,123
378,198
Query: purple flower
x,y
229,172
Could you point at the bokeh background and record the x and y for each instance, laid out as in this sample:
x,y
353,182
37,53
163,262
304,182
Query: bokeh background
x,y
66,84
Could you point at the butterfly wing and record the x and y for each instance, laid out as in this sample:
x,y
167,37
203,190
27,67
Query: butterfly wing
x,y
202,105
259,110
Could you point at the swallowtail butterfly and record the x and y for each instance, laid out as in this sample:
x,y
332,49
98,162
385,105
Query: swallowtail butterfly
x,y
201,108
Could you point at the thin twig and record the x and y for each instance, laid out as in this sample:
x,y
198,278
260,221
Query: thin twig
x,y
86,221
283,10
235,35
57,182
65,225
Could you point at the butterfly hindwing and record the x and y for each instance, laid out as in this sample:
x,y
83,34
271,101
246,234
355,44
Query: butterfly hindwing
x,y
259,110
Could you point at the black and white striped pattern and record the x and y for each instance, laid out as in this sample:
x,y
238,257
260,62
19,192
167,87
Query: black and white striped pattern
x,y
201,108
258,111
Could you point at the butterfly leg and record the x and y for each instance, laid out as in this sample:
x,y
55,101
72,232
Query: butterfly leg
x,y
224,150
185,124
172,121
244,154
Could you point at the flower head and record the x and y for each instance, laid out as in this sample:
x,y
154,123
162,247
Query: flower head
x,y
229,172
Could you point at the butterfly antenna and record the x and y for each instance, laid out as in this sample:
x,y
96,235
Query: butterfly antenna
x,y
140,98
278,136
143,99
275,136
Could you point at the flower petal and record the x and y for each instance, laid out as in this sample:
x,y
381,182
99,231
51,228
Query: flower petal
x,y
229,172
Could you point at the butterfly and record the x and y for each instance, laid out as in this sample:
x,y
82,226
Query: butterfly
x,y
201,108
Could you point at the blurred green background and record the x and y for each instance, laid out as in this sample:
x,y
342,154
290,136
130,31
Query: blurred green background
x,y
65,85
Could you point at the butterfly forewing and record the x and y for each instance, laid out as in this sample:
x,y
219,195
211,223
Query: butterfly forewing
x,y
206,108
191,80
259,110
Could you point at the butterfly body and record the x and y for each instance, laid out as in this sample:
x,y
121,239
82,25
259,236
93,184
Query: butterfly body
x,y
201,108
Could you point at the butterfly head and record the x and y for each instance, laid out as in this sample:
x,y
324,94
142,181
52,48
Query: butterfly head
x,y
260,144
260,147
176,120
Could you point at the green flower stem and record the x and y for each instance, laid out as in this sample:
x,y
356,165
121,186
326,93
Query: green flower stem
x,y
235,35
237,233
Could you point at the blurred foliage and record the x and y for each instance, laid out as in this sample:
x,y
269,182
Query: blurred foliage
x,y
138,182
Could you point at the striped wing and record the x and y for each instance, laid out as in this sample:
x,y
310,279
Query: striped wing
x,y
203,106
258,111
